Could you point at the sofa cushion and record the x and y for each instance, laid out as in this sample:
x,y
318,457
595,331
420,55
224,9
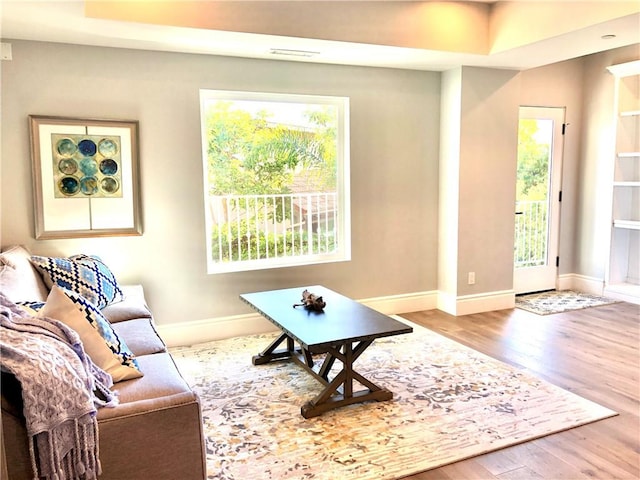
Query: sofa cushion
x,y
140,335
83,274
19,280
102,344
161,387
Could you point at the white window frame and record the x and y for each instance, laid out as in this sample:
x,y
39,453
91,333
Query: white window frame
x,y
343,225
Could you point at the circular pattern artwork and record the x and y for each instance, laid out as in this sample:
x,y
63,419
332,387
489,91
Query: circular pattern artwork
x,y
66,147
109,166
109,184
87,147
87,166
68,166
107,148
69,186
89,185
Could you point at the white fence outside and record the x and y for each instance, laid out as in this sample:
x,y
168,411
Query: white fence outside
x,y
530,248
253,227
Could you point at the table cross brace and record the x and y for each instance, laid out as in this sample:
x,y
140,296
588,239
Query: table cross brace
x,y
338,391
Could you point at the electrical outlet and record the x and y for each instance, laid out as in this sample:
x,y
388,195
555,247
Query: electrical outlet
x,y
5,51
471,278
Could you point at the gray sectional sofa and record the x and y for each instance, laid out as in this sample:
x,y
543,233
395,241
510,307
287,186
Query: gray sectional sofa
x,y
155,431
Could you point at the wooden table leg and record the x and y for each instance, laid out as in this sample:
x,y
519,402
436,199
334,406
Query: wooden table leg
x,y
339,391
270,353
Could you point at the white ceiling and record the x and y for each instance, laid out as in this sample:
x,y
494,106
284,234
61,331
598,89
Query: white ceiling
x,y
559,33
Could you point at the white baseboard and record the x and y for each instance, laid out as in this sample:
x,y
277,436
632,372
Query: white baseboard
x,y
597,286
626,292
482,302
410,302
199,331
581,283
208,329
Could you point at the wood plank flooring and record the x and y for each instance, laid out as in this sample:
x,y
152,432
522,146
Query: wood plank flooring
x,y
594,353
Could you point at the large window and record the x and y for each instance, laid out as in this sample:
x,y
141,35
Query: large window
x,y
276,178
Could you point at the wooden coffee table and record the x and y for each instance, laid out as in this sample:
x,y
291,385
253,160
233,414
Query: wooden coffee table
x,y
342,331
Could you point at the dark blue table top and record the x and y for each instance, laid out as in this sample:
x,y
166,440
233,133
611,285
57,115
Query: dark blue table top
x,y
343,320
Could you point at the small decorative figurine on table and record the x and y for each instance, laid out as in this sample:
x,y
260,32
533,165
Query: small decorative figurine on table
x,y
311,302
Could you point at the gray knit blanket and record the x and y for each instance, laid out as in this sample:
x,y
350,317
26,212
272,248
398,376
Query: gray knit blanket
x,y
61,390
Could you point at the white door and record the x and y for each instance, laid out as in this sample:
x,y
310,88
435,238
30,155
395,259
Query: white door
x,y
537,209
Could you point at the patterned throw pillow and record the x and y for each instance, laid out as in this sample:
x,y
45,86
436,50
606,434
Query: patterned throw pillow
x,y
99,340
83,274
32,308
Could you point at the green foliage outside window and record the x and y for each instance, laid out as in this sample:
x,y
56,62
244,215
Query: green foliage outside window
x,y
533,163
237,244
250,154
531,195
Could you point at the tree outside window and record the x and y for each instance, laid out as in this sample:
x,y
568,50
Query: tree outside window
x,y
532,192
276,179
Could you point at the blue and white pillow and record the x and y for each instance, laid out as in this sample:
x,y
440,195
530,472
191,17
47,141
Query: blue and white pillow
x,y
32,308
83,274
100,341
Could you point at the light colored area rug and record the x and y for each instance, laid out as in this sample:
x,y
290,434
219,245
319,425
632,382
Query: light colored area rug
x,y
558,301
450,403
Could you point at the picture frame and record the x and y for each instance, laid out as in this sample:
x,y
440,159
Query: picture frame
x,y
85,177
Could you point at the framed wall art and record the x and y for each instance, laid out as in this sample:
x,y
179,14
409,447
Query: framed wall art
x,y
85,177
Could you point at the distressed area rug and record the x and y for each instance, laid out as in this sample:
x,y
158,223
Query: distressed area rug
x,y
450,403
558,301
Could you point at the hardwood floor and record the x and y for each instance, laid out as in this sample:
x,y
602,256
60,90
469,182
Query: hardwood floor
x,y
594,353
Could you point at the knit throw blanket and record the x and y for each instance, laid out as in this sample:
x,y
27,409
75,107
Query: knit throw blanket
x,y
61,390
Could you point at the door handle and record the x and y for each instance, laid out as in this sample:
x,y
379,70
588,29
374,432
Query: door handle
x,y
519,213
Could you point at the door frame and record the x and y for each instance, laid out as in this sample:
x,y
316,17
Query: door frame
x,y
545,277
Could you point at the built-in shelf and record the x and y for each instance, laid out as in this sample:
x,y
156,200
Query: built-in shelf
x,y
626,184
625,69
628,224
627,292
623,268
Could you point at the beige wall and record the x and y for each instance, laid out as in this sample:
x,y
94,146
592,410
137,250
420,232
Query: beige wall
x,y
489,142
479,130
560,85
394,145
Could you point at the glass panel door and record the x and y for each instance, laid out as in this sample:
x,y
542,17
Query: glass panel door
x,y
537,209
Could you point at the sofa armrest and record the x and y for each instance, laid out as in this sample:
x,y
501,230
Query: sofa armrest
x,y
145,406
133,306
19,279
3,457
165,442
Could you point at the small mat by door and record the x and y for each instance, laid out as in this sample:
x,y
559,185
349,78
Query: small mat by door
x,y
558,301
